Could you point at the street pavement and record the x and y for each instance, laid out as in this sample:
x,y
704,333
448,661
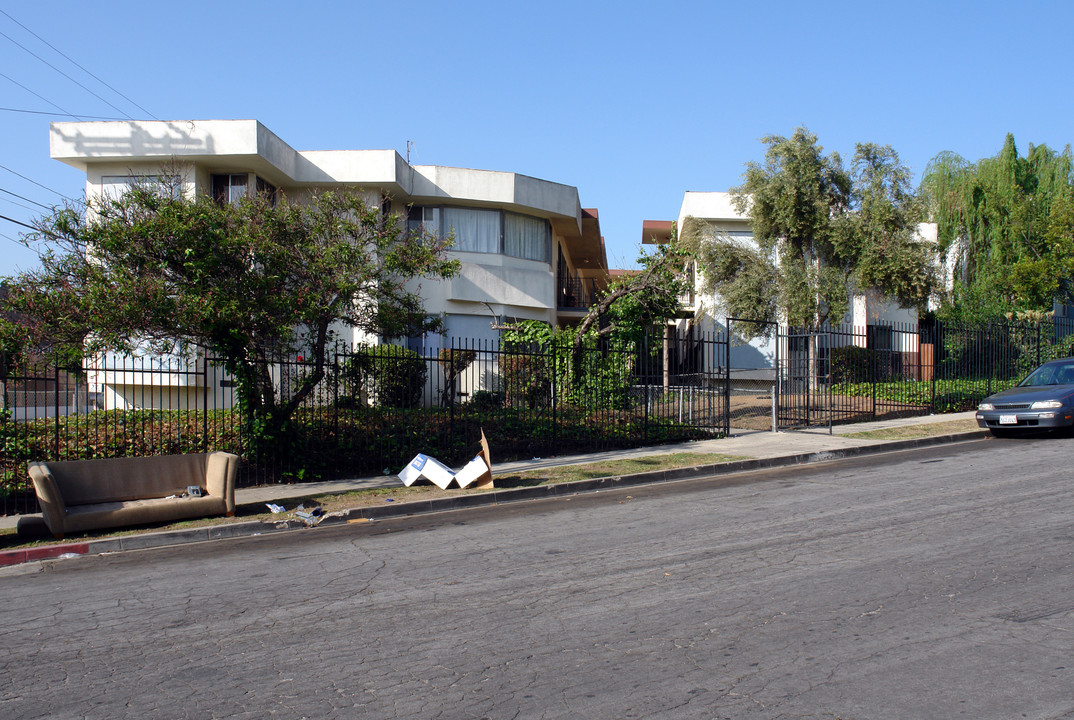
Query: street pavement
x,y
928,583
764,448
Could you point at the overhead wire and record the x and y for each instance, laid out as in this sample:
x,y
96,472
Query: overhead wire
x,y
56,192
39,95
79,66
45,112
17,222
20,197
61,72
62,112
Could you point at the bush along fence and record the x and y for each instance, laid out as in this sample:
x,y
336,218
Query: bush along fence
x,y
378,406
375,409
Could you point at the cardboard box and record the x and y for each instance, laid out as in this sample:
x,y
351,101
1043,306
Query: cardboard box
x,y
478,470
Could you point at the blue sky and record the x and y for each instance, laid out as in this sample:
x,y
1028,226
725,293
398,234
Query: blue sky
x,y
632,103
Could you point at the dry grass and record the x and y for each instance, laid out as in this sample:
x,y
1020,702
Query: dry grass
x,y
909,432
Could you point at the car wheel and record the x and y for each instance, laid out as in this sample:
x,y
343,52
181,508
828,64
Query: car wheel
x,y
1001,432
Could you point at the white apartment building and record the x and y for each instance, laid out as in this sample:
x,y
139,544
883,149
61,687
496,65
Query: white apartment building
x,y
868,308
528,249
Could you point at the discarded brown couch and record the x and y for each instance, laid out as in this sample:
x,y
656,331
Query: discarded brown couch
x,y
79,495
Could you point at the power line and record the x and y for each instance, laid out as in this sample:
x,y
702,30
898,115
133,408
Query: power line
x,y
45,112
17,222
70,60
40,96
17,242
5,167
61,72
18,204
20,197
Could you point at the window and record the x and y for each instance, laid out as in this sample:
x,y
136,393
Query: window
x,y
423,219
267,190
527,237
114,187
230,188
474,230
486,231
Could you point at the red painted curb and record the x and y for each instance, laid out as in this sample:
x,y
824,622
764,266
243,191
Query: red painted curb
x,y
16,557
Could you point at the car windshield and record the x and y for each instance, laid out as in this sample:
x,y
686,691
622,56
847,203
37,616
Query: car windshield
x,y
1050,375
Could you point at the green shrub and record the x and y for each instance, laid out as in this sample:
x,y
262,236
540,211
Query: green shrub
x,y
388,375
853,364
487,400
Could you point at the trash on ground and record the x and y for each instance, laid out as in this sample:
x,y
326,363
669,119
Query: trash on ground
x,y
478,470
276,509
310,517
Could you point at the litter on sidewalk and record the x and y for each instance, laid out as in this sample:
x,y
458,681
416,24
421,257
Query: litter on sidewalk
x,y
478,470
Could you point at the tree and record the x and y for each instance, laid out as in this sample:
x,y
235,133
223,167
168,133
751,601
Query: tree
x,y
592,365
1007,224
819,233
653,294
249,282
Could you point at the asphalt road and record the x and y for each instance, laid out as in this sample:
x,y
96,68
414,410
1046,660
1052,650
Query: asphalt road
x,y
927,584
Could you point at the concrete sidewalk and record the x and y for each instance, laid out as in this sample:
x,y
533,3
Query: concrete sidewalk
x,y
762,448
756,444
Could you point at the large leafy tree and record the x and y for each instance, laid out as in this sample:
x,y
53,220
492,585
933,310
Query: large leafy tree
x,y
819,233
1007,225
249,282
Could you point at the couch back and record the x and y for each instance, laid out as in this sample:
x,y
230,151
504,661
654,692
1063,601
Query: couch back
x,y
86,482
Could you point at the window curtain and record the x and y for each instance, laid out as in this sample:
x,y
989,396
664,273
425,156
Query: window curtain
x,y
475,230
527,237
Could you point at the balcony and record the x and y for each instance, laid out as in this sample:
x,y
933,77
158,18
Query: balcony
x,y
578,293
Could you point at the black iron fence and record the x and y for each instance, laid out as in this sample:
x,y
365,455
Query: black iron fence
x,y
374,409
377,407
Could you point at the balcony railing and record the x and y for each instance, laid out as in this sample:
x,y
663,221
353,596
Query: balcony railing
x,y
577,294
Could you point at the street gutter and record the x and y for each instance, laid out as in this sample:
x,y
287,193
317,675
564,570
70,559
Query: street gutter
x,y
210,533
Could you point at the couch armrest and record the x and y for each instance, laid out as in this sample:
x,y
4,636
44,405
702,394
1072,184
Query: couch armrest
x,y
220,471
53,509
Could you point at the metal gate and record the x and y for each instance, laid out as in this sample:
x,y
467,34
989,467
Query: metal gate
x,y
803,379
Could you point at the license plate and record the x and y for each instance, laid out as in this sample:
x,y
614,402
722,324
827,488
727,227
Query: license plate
x,y
1008,419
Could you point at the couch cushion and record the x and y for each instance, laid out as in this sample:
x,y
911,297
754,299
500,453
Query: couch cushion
x,y
86,482
140,512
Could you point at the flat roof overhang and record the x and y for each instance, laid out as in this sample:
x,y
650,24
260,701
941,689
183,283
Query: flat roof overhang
x,y
657,232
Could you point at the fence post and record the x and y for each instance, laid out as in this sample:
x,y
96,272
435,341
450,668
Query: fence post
x,y
205,396
876,370
991,360
1038,343
645,384
555,415
56,403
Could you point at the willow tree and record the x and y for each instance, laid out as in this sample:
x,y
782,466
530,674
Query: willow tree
x,y
820,233
1006,225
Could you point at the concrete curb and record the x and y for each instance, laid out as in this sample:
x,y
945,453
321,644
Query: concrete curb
x,y
145,541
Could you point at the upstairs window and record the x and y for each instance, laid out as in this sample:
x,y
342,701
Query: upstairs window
x,y
486,231
267,190
229,189
114,187
527,237
423,219
233,187
475,230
